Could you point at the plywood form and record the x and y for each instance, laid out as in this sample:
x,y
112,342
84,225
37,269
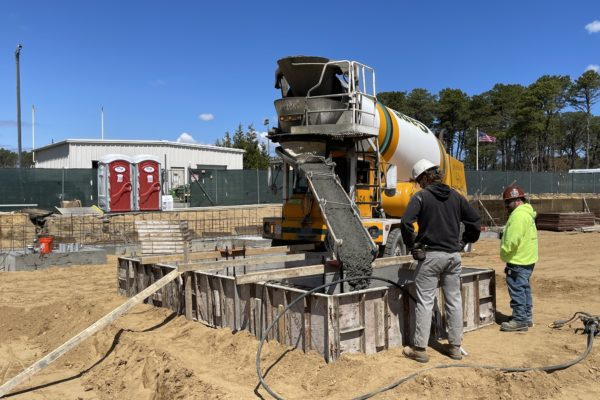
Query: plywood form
x,y
365,321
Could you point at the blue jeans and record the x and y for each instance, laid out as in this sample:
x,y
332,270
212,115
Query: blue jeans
x,y
519,289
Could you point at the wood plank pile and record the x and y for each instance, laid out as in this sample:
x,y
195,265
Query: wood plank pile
x,y
595,228
162,237
564,221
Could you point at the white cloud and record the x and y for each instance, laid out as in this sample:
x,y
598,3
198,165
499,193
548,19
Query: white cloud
x,y
593,67
593,27
206,117
186,138
158,82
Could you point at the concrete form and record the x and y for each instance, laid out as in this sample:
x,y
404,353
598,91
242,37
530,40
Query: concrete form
x,y
23,261
331,323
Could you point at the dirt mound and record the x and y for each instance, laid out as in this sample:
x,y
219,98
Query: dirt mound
x,y
139,371
151,354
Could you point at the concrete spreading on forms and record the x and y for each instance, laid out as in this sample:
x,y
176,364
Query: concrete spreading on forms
x,y
355,253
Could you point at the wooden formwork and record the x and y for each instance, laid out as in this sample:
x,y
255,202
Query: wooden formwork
x,y
133,277
365,321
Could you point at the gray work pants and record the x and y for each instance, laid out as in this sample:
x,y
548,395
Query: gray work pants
x,y
443,267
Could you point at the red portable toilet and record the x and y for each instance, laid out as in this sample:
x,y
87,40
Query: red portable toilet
x,y
148,182
115,185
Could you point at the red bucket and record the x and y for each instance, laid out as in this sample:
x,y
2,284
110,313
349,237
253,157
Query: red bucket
x,y
46,244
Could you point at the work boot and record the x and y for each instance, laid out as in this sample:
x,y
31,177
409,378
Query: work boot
x,y
452,351
530,323
514,326
417,355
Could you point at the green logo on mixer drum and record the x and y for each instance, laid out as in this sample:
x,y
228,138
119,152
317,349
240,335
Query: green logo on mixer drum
x,y
413,121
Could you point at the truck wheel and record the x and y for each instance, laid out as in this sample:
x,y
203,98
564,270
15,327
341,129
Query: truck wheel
x,y
394,245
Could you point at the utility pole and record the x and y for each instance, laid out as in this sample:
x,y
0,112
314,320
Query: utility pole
x,y
17,55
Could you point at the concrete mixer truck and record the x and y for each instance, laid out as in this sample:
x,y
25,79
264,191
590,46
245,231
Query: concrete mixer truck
x,y
345,158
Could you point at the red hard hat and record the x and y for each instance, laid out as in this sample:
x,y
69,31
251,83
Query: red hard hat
x,y
513,192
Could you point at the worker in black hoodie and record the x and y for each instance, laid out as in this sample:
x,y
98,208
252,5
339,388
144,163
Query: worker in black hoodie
x,y
438,211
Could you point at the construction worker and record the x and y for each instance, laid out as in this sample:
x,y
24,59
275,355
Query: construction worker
x,y
519,250
439,211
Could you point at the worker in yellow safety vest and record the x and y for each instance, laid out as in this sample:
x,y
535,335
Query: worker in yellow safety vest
x,y
519,250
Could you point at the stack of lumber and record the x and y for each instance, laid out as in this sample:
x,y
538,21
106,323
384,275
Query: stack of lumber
x,y
564,221
595,228
162,237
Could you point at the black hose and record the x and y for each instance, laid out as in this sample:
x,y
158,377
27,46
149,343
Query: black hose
x,y
550,368
289,306
592,328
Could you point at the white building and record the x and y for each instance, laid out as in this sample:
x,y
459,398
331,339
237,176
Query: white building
x,y
175,157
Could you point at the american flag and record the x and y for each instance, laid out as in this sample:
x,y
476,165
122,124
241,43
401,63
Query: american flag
x,y
485,138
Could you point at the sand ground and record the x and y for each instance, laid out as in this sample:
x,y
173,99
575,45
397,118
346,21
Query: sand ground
x,y
151,354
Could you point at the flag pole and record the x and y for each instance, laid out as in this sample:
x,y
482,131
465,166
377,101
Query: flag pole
x,y
102,123
477,149
33,134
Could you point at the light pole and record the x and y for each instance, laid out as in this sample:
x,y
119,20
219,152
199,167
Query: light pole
x,y
266,123
17,55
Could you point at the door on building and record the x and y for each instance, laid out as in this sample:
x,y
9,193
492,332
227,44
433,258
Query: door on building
x,y
120,185
177,177
149,185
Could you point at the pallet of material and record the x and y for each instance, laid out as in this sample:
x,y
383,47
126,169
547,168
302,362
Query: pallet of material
x,y
564,221
162,237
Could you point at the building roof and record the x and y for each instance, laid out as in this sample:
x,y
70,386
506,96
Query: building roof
x,y
142,142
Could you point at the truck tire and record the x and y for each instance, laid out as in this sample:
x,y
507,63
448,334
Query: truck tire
x,y
394,245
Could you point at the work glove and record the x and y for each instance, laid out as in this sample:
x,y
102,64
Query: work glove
x,y
418,253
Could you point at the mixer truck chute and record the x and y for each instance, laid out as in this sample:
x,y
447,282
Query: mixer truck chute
x,y
331,125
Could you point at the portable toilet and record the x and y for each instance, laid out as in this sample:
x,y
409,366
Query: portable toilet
x,y
115,183
147,182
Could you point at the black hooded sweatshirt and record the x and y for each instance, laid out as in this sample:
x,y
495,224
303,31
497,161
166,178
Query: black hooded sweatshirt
x,y
439,210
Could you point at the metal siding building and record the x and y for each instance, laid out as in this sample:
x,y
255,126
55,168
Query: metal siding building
x,y
175,156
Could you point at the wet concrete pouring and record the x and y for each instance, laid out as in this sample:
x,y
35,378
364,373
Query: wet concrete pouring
x,y
356,251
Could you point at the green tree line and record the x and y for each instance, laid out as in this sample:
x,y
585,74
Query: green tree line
x,y
9,158
256,156
546,126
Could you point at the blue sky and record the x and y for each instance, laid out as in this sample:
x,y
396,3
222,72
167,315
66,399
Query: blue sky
x,y
163,68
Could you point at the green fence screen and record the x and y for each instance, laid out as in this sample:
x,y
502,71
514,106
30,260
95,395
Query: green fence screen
x,y
46,188
494,182
235,187
210,187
